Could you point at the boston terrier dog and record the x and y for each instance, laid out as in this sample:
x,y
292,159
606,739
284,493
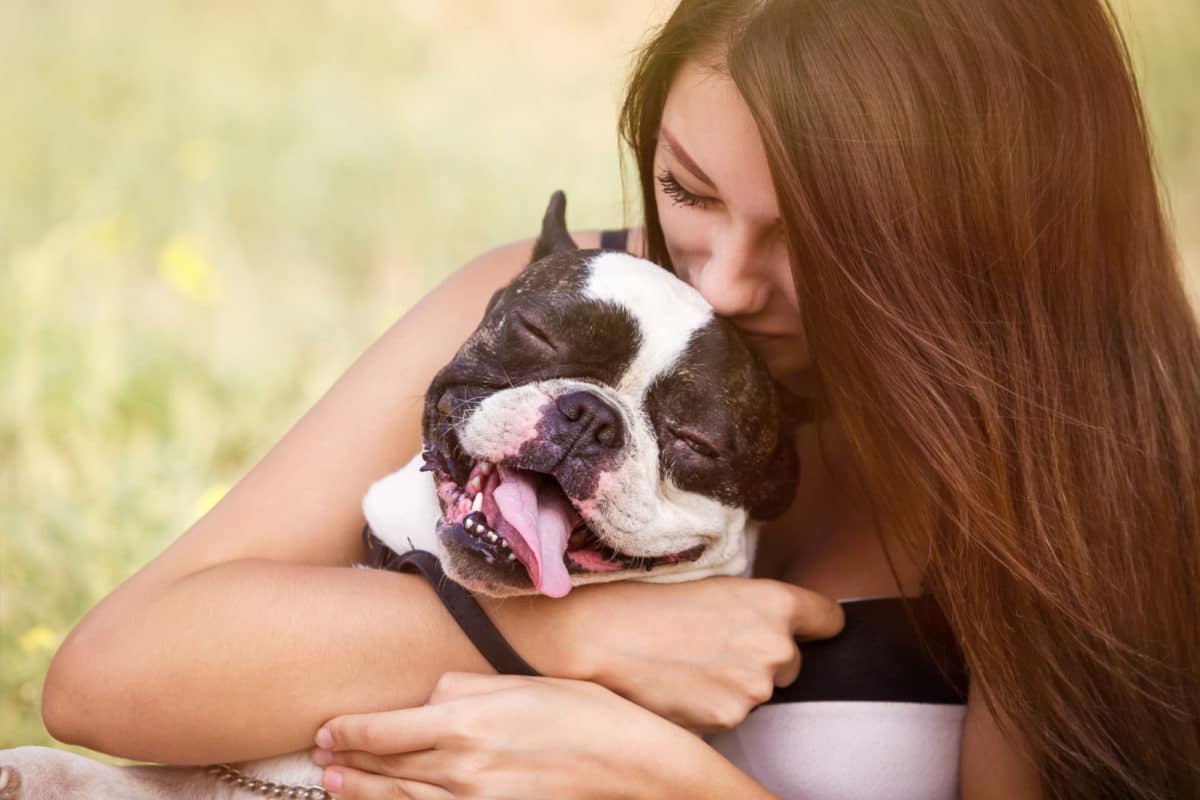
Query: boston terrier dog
x,y
600,424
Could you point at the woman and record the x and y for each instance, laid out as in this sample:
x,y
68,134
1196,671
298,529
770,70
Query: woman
x,y
939,220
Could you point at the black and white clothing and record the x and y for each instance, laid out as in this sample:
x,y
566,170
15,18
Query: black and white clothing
x,y
877,711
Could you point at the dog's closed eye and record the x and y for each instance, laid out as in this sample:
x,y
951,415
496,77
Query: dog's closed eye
x,y
528,330
694,442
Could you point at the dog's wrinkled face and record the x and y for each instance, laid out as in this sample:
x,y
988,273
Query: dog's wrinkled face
x,y
601,423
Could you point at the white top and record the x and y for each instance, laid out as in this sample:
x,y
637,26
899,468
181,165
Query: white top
x,y
852,750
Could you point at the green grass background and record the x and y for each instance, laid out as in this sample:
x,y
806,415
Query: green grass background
x,y
209,210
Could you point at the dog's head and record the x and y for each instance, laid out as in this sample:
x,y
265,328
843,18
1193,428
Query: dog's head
x,y
602,423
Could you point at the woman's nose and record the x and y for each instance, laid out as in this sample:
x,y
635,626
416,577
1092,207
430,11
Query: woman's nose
x,y
735,280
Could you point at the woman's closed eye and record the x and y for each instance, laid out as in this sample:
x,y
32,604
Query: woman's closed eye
x,y
678,194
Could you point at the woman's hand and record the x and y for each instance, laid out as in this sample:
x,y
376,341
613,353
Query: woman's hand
x,y
702,653
505,737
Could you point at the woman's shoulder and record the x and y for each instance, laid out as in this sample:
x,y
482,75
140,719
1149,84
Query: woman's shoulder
x,y
499,265
487,272
301,502
467,289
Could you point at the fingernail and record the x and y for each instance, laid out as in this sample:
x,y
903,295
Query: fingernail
x,y
322,758
324,739
333,780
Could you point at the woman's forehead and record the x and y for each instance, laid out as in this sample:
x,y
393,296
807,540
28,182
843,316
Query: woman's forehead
x,y
706,118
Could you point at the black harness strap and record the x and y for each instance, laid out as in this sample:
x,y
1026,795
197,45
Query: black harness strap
x,y
461,604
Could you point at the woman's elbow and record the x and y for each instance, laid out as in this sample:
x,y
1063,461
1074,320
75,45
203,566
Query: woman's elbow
x,y
76,693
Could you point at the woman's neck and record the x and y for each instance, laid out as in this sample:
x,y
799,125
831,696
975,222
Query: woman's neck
x,y
827,540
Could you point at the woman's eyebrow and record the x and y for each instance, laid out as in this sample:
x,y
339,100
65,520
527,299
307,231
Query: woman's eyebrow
x,y
682,155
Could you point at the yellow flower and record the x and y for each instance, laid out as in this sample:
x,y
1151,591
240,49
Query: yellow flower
x,y
183,266
37,638
209,498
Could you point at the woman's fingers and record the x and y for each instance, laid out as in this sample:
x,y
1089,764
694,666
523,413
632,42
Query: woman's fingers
x,y
402,731
787,674
814,616
427,766
345,783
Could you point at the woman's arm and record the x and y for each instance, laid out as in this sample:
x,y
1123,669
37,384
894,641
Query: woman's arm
x,y
536,738
250,629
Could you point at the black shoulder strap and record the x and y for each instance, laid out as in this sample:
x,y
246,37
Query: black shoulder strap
x,y
461,604
614,240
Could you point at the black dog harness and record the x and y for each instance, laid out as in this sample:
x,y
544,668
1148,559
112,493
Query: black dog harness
x,y
461,604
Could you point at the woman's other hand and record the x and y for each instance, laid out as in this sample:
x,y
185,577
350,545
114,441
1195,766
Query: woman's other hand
x,y
518,738
703,653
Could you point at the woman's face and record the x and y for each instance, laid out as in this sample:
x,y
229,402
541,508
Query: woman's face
x,y
720,218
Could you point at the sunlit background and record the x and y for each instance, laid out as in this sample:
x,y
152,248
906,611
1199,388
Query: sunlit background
x,y
209,210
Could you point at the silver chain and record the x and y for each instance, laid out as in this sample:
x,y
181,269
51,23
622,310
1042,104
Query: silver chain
x,y
228,774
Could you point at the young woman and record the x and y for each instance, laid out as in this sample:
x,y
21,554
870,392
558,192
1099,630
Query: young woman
x,y
937,219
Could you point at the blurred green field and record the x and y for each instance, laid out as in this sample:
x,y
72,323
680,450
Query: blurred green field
x,y
209,210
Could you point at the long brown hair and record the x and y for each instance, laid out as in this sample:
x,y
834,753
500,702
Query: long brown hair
x,y
995,308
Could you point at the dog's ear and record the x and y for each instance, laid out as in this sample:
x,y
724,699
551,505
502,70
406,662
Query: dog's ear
x,y
554,237
769,498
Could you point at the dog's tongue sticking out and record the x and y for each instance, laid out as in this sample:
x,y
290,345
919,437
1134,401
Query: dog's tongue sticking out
x,y
538,512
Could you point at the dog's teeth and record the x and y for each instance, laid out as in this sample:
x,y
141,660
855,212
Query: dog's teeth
x,y
477,503
485,468
475,484
490,535
511,557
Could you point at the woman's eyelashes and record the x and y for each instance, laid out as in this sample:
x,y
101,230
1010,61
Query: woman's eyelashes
x,y
673,189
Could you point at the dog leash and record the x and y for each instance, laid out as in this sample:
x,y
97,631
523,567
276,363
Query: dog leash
x,y
461,604
240,780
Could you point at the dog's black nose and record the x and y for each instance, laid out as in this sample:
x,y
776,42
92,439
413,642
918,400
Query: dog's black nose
x,y
591,419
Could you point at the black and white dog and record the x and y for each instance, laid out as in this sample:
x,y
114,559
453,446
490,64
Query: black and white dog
x,y
600,424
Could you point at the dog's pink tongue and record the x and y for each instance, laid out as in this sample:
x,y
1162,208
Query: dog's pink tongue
x,y
540,516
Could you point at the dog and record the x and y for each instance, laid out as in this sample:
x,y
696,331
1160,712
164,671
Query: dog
x,y
601,423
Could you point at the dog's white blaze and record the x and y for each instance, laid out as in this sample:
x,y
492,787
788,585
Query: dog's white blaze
x,y
645,290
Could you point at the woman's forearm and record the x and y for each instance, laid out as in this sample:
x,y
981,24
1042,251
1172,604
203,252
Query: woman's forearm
x,y
248,658
693,769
